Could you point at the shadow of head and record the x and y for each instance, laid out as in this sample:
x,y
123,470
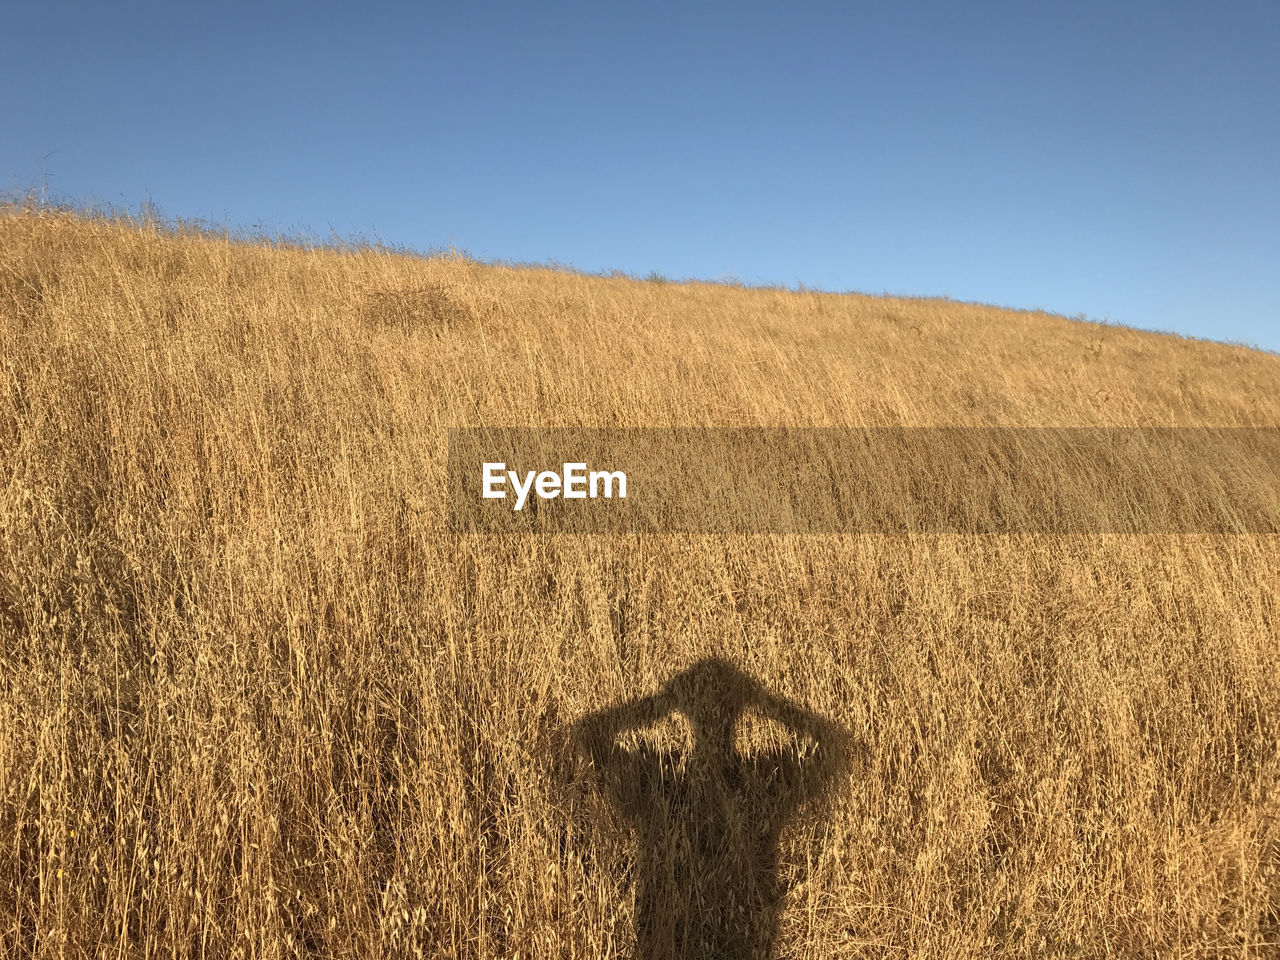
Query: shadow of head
x,y
713,695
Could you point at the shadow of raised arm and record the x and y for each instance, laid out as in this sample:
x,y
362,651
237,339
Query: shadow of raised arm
x,y
829,759
596,734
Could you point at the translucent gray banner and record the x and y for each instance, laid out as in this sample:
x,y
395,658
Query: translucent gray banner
x,y
887,480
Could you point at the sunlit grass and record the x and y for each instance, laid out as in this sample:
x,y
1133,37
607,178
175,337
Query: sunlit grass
x,y
253,702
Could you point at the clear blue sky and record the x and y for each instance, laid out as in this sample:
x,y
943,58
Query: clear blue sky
x,y
1118,160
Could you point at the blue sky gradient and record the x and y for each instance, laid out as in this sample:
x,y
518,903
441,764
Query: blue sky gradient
x,y
1120,161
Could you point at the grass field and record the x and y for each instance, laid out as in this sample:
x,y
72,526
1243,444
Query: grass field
x,y
255,702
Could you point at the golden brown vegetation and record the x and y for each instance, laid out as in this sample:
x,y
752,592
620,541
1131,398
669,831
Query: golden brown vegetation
x,y
254,702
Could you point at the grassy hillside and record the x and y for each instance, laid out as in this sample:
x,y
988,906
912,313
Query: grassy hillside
x,y
255,702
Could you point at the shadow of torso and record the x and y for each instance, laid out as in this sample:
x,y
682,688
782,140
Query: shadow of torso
x,y
708,826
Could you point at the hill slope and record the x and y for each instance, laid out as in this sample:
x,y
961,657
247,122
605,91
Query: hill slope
x,y
254,699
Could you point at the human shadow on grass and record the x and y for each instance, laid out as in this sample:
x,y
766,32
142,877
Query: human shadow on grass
x,y
708,819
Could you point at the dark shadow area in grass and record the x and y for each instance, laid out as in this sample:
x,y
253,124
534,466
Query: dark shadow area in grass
x,y
708,819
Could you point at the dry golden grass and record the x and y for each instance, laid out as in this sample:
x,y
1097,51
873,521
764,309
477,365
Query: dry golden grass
x,y
253,702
